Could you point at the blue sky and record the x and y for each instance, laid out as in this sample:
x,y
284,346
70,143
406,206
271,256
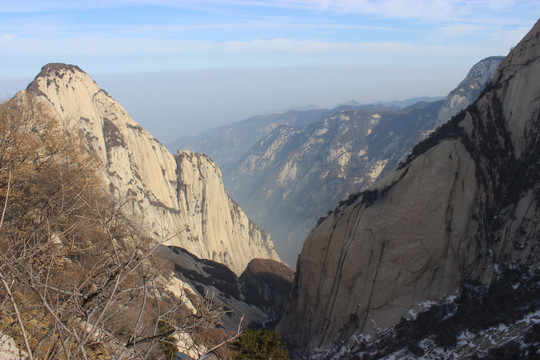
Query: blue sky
x,y
182,66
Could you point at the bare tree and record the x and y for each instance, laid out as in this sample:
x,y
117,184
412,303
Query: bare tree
x,y
79,278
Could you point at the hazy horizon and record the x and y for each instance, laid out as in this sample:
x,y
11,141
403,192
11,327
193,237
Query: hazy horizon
x,y
178,104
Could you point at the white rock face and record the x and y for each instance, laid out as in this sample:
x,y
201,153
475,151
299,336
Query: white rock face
x,y
362,268
9,349
180,199
467,199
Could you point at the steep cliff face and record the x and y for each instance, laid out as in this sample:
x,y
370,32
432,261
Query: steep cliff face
x,y
468,90
467,201
267,283
178,199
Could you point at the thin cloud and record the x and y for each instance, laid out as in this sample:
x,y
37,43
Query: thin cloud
x,y
318,15
316,47
7,37
425,10
459,30
259,52
261,33
258,25
510,37
102,46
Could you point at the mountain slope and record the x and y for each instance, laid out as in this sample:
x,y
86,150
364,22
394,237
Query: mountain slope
x,y
226,144
258,295
347,151
465,203
468,90
178,199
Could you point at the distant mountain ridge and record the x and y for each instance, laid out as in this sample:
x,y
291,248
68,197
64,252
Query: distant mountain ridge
x,y
272,163
395,103
289,178
226,144
475,81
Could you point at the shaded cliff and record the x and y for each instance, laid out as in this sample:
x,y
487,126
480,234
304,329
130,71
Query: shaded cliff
x,y
180,200
466,201
256,298
266,284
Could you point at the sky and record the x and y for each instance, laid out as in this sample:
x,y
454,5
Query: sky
x,y
181,67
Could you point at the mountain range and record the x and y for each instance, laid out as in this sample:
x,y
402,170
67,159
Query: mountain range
x,y
170,230
442,252
430,249
287,170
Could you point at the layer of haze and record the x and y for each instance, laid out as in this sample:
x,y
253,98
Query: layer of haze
x,y
183,104
176,104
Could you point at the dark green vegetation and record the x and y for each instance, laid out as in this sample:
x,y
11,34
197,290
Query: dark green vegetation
x,y
259,345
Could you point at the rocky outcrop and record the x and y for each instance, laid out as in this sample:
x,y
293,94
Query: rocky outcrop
x,y
9,349
266,284
468,90
466,202
496,321
256,298
179,200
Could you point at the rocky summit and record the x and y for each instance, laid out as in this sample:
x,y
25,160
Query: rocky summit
x,y
461,209
180,200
